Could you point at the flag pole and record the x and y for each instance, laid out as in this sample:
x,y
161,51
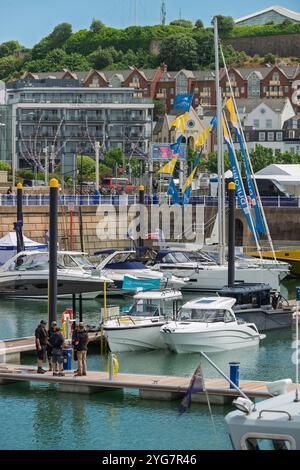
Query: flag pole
x,y
249,161
221,189
224,375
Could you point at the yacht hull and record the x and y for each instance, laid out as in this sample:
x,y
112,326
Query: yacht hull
x,y
135,338
266,320
211,280
37,287
210,341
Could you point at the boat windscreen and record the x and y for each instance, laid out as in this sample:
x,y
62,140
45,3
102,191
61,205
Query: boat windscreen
x,y
144,309
206,316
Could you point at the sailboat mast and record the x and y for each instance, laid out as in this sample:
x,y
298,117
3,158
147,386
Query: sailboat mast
x,y
221,188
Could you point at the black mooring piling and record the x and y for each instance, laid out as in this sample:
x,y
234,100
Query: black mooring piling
x,y
231,235
53,239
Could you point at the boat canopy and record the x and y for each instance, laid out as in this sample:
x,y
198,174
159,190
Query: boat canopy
x,y
210,303
167,295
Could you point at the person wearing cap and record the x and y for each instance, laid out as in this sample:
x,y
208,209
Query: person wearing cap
x,y
51,332
81,345
57,342
41,341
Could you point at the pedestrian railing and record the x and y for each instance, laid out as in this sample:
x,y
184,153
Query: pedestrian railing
x,y
129,200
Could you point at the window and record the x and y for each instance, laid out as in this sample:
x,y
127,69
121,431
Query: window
x,y
262,441
172,101
269,124
286,89
181,83
276,77
256,123
261,137
295,124
242,89
270,136
279,136
172,91
196,90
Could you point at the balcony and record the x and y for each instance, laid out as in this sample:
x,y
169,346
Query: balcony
x,y
274,83
233,84
160,96
205,94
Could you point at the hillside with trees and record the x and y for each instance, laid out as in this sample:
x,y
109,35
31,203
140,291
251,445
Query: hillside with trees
x,y
182,44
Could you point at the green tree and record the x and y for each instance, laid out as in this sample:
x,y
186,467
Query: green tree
x,y
102,58
159,108
9,48
9,66
5,166
225,24
76,61
182,23
199,24
270,58
96,26
114,157
262,157
179,51
54,40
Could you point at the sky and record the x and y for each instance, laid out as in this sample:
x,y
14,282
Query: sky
x,y
30,20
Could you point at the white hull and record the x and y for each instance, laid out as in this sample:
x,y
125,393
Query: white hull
x,y
211,341
135,338
215,277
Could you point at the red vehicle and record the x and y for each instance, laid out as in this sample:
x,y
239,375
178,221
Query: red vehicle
x,y
118,185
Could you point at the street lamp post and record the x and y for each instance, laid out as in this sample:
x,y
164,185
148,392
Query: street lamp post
x,y
97,151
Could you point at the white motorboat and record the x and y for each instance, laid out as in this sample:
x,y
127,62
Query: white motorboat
x,y
273,424
139,329
116,264
206,275
26,275
209,325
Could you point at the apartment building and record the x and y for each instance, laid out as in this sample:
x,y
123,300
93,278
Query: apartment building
x,y
60,117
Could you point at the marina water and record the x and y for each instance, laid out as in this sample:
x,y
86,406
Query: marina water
x,y
37,416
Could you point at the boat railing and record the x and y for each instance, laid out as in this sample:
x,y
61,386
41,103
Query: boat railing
x,y
275,411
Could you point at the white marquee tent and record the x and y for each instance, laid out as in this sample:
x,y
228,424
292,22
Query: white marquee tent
x,y
8,246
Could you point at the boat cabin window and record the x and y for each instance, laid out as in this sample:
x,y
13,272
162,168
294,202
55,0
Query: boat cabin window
x,y
176,257
81,260
268,443
66,261
207,316
122,257
31,263
144,308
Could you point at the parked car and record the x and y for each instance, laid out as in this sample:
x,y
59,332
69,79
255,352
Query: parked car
x,y
118,185
33,183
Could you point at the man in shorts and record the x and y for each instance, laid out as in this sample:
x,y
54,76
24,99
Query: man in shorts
x,y
57,342
41,341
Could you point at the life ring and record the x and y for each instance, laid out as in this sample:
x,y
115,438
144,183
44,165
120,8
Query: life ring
x,y
63,319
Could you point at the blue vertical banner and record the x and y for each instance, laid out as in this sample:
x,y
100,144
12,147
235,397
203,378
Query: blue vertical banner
x,y
260,226
240,190
172,191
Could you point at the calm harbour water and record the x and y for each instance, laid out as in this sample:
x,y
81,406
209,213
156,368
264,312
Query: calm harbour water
x,y
38,417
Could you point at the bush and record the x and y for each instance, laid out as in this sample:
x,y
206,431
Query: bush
x,y
5,166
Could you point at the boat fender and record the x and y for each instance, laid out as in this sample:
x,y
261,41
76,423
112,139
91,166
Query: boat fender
x,y
115,363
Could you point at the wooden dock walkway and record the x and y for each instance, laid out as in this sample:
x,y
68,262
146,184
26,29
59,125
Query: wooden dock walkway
x,y
155,387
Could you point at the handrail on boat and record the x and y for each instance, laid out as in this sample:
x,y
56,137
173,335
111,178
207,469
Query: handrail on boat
x,y
275,411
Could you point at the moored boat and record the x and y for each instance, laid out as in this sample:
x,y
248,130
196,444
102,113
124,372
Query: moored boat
x,y
209,325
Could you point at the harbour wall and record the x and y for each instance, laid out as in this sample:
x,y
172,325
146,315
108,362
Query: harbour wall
x,y
109,227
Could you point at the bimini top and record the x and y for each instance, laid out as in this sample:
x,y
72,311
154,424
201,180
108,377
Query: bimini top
x,y
210,303
167,295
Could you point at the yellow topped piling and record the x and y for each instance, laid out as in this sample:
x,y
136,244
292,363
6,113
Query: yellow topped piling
x,y
231,186
141,188
54,183
19,186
